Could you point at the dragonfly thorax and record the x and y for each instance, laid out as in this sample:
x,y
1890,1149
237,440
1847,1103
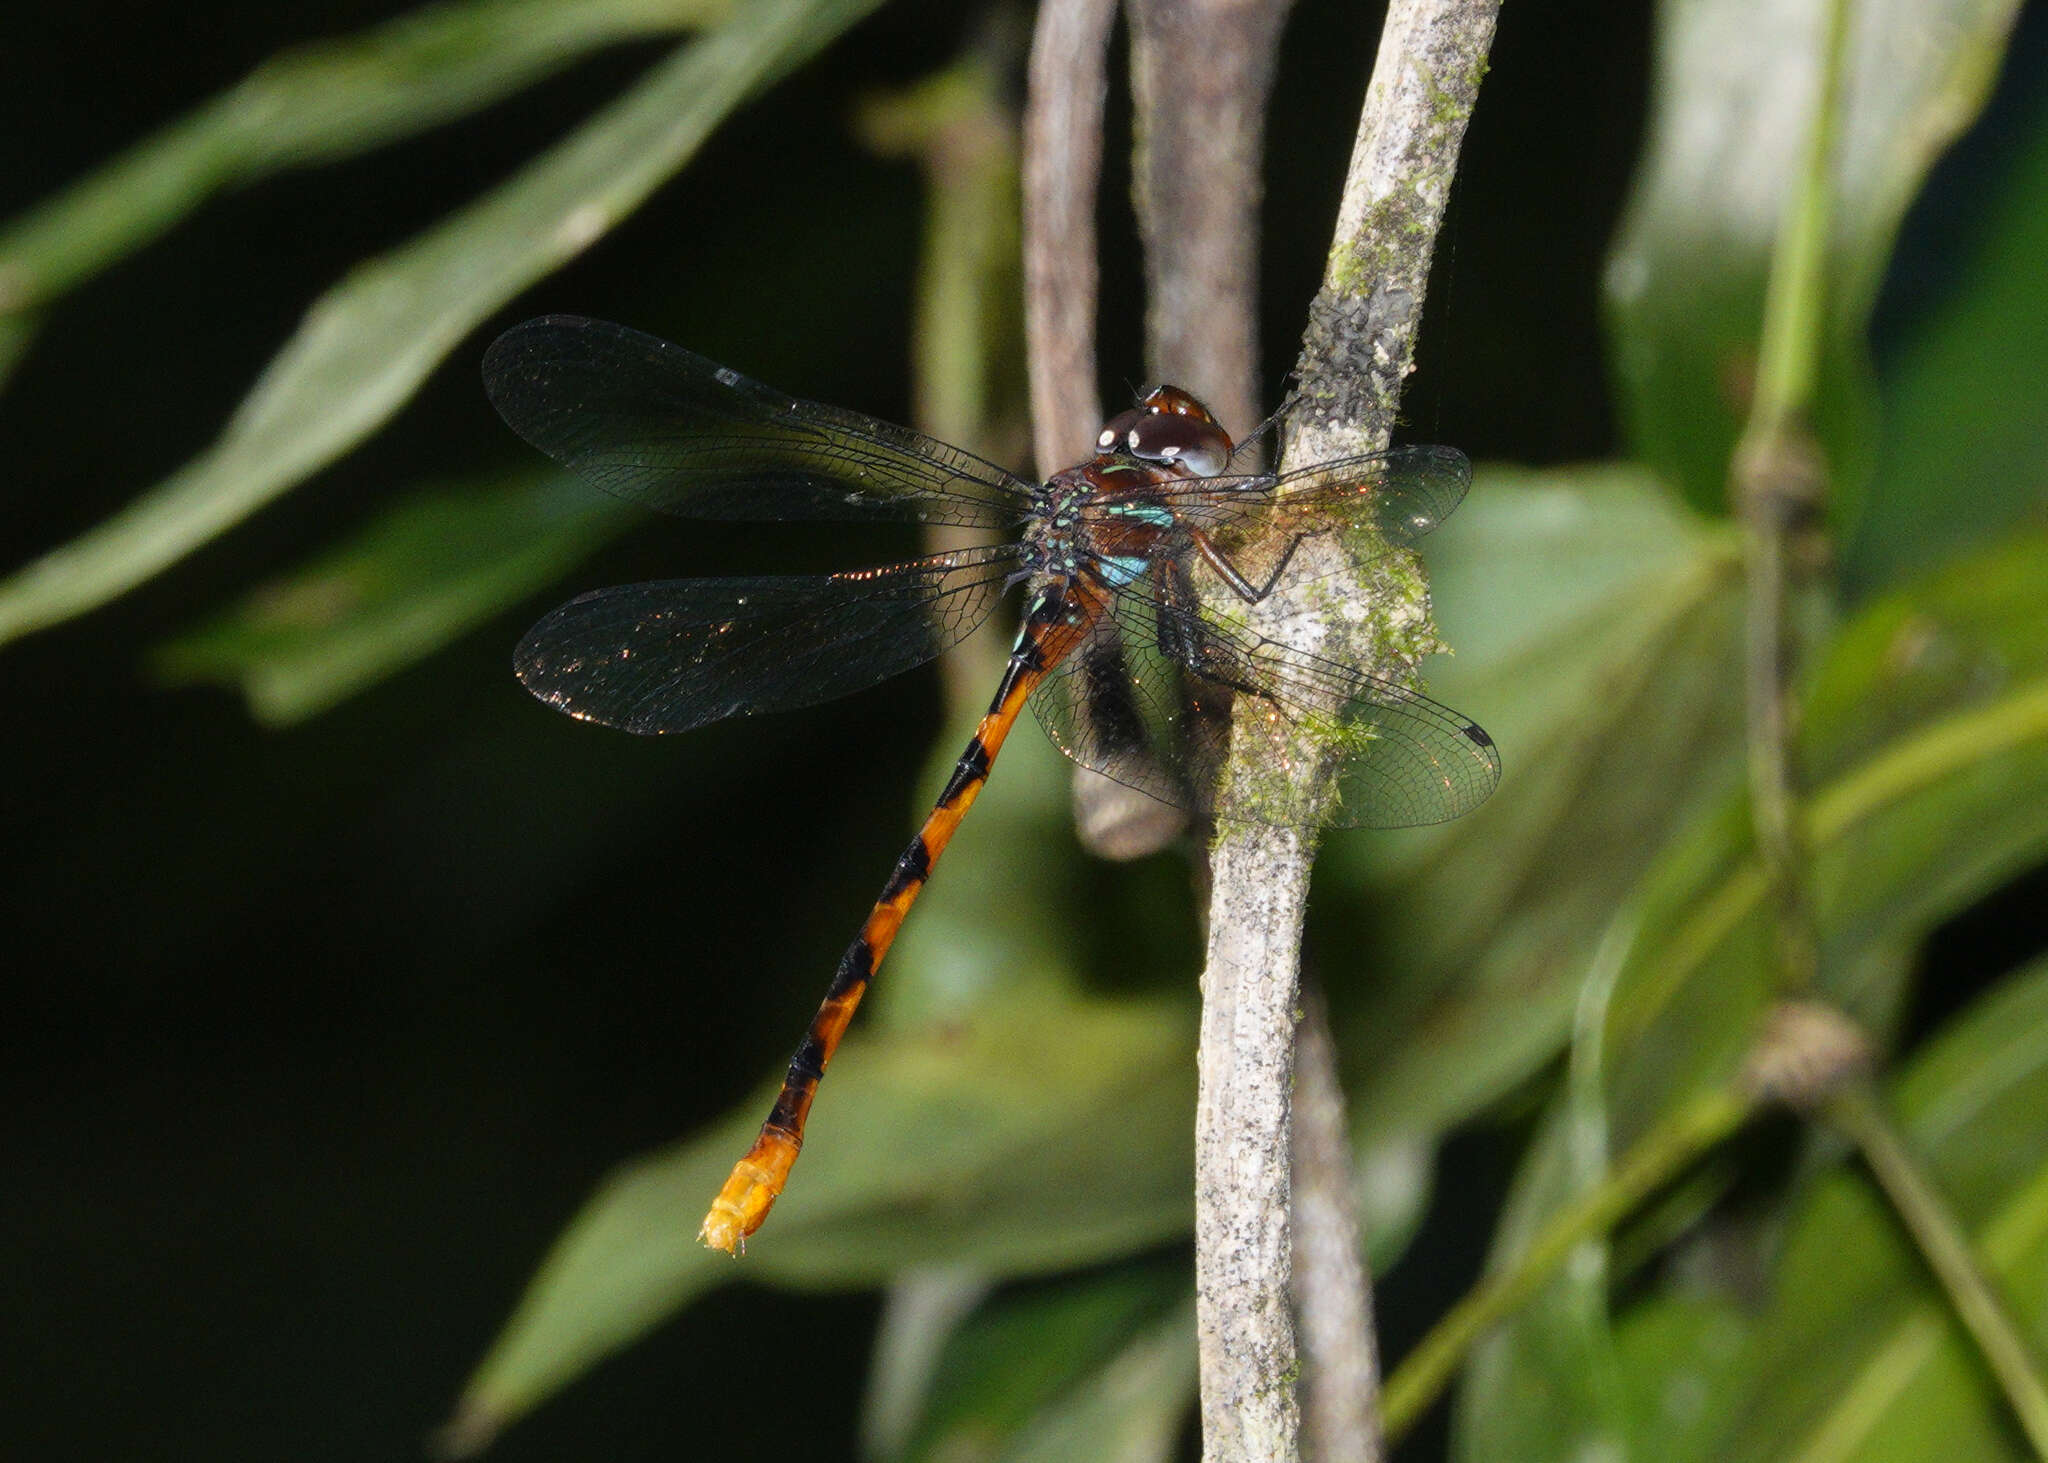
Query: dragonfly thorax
x,y
1100,519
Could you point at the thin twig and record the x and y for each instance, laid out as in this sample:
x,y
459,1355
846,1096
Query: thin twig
x,y
1945,1245
1062,170
1778,481
1340,1365
1356,352
1062,167
1658,1157
1244,1328
1201,73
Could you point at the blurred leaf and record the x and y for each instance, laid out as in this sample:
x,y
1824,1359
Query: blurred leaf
x,y
1096,1367
15,335
368,343
1964,449
1855,1356
975,1140
1595,629
1732,112
314,104
416,577
1131,1411
1963,634
1675,1356
1904,832
922,1311
1555,1391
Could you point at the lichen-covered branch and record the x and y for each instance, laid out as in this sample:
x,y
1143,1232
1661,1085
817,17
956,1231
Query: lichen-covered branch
x,y
1356,353
1360,341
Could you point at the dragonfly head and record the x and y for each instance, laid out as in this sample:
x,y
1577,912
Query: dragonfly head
x,y
1172,428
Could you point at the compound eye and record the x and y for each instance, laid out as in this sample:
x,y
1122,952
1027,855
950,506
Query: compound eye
x,y
1203,448
1115,433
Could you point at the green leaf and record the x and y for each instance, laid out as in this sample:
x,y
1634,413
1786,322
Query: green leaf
x,y
1129,1405
368,343
1595,628
1979,362
417,576
314,104
922,1312
1929,742
1675,1355
1130,1411
1733,97
978,1139
1549,1388
1855,1356
1096,1367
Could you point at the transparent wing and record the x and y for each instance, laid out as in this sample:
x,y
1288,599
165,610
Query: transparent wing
x,y
659,425
670,655
1399,758
1396,497
1117,706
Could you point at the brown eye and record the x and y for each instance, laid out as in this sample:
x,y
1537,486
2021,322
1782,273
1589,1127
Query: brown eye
x,y
1116,431
1203,448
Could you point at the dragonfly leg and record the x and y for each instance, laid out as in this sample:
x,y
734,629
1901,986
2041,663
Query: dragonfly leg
x,y
1188,640
1249,444
1232,576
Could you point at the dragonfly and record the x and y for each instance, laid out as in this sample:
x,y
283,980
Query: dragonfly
x,y
1123,651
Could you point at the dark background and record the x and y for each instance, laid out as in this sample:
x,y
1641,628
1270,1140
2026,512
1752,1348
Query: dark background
x,y
321,1035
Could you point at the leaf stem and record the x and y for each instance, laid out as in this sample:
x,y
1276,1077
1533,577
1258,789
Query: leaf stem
x,y
1795,300
1778,481
1659,1156
1859,1116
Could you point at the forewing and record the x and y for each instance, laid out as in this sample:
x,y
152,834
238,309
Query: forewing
x,y
670,655
659,425
1396,497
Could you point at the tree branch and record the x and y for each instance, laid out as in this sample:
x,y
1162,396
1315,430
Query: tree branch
x,y
1201,72
1062,168
1357,351
1340,1372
